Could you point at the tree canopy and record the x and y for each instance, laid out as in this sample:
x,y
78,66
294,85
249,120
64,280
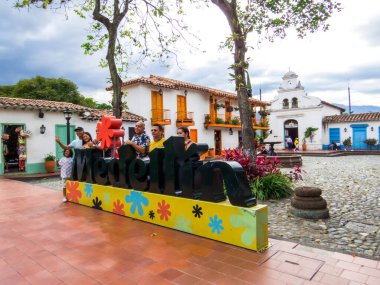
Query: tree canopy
x,y
52,89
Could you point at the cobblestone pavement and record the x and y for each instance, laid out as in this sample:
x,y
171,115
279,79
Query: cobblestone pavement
x,y
351,187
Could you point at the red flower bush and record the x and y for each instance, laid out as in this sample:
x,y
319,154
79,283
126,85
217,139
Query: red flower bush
x,y
262,167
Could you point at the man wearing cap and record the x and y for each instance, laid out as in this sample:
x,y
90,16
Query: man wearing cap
x,y
77,143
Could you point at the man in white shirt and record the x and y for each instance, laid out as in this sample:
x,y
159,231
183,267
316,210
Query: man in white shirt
x,y
77,143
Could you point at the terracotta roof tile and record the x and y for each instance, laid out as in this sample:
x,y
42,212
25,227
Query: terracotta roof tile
x,y
19,103
365,117
45,105
163,82
126,116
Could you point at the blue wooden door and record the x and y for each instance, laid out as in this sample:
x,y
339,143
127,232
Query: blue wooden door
x,y
334,135
359,136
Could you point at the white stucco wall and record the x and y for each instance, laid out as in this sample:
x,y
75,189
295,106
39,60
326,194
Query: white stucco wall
x,y
139,102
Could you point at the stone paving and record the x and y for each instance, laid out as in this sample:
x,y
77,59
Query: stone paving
x,y
351,186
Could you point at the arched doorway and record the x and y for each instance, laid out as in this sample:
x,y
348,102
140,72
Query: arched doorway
x,y
290,129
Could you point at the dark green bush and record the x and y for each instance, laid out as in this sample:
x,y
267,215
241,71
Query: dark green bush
x,y
272,186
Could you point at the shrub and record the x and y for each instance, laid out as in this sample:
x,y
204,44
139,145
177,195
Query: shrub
x,y
272,186
219,121
49,157
371,141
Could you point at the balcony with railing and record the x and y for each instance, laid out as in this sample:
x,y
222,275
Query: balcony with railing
x,y
220,121
161,116
185,119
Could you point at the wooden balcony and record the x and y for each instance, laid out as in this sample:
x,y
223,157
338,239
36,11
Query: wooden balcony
x,y
161,116
218,121
185,119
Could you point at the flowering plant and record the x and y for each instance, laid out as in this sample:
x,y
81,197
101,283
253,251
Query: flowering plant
x,y
49,157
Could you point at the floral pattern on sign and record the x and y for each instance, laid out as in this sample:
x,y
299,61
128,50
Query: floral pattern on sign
x,y
97,204
151,214
118,208
183,224
197,211
163,210
247,220
216,224
138,201
88,190
72,192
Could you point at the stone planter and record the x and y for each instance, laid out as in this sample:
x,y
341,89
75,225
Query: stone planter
x,y
307,203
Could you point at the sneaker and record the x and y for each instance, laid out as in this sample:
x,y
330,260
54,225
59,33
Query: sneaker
x,y
64,199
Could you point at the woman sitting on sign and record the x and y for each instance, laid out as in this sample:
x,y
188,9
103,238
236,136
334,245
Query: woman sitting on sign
x,y
184,132
87,140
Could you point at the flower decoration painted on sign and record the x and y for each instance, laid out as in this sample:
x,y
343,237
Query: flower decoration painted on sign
x,y
151,214
118,208
197,211
97,204
163,210
88,190
216,224
107,198
248,221
183,224
109,129
138,201
73,194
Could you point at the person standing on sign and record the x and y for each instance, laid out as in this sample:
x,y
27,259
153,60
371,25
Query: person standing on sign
x,y
158,137
140,141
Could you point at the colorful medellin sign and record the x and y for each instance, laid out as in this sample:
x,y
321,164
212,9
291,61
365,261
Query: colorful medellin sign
x,y
170,171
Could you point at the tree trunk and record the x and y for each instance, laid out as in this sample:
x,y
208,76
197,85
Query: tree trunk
x,y
115,78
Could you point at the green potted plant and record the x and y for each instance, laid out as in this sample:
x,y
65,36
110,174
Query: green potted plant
x,y
219,121
235,121
370,142
211,152
50,162
207,119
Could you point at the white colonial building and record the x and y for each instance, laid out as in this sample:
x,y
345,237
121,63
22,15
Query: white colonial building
x,y
293,111
43,120
211,115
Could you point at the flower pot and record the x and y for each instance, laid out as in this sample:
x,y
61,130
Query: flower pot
x,y
49,165
211,152
304,147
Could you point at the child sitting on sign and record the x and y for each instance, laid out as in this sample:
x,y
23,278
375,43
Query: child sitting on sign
x,y
66,164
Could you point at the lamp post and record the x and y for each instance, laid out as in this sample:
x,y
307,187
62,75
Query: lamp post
x,y
67,113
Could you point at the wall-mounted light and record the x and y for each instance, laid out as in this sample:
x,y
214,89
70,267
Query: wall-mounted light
x,y
160,92
40,114
371,129
230,131
345,130
42,129
185,92
210,99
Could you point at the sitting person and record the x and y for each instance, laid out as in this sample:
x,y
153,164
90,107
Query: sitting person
x,y
140,141
184,132
87,140
158,137
263,150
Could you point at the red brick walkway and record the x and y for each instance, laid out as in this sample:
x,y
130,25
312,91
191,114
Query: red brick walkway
x,y
43,241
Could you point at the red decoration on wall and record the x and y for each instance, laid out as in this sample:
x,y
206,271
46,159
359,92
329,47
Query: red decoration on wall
x,y
109,129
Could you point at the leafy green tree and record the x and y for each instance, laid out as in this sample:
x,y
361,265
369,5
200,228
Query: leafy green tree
x,y
126,29
6,90
42,88
268,19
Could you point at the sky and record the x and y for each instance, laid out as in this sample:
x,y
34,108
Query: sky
x,y
46,43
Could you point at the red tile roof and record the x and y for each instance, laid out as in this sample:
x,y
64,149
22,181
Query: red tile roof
x,y
163,82
126,116
33,104
365,117
45,105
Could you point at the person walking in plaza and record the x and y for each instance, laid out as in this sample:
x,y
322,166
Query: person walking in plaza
x,y
66,164
296,143
158,137
76,143
140,141
289,142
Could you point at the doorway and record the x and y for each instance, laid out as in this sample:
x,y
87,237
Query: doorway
x,y
218,142
14,149
291,129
